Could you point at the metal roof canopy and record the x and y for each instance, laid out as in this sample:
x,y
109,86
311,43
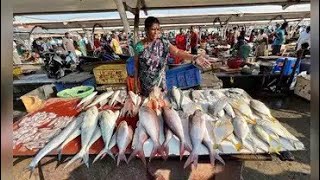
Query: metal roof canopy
x,y
197,19
73,6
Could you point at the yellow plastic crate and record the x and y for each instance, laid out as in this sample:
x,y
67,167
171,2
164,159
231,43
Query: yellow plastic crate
x,y
110,74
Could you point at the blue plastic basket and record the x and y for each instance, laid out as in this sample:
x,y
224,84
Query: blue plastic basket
x,y
130,66
183,77
288,67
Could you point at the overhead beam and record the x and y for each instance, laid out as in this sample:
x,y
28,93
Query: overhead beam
x,y
290,3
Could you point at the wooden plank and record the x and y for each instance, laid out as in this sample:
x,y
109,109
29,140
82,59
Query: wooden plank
x,y
229,70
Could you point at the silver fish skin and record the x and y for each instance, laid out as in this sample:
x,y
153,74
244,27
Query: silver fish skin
x,y
71,137
208,143
151,123
138,150
165,144
100,98
124,138
114,97
196,96
96,135
56,141
90,122
177,96
229,110
218,106
241,128
173,122
197,134
85,101
107,122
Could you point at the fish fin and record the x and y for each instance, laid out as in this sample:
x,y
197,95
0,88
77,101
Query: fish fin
x,y
181,98
182,149
187,147
85,159
273,119
59,154
218,157
238,146
165,148
110,154
275,149
140,154
192,157
101,154
76,157
121,156
156,150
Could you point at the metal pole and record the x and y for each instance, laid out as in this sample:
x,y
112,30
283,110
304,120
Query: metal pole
x,y
123,15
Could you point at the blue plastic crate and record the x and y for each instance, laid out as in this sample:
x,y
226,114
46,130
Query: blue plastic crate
x,y
288,68
130,66
62,86
183,77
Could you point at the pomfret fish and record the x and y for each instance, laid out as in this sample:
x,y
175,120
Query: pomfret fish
x,y
138,150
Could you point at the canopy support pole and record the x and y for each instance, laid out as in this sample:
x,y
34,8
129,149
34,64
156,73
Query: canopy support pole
x,y
123,15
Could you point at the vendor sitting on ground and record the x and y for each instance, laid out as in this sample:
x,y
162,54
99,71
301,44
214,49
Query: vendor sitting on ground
x,y
151,56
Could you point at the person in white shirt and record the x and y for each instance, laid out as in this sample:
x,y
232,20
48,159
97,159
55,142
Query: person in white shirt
x,y
304,38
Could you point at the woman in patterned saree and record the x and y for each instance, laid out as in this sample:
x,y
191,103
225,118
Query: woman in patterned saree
x,y
151,56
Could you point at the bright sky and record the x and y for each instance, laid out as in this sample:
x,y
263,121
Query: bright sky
x,y
161,13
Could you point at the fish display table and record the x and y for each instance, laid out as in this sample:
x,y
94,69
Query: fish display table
x,y
221,129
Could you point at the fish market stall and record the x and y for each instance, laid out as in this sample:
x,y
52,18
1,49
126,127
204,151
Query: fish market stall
x,y
211,124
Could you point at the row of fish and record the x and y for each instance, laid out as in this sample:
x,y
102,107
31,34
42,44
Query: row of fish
x,y
210,119
237,118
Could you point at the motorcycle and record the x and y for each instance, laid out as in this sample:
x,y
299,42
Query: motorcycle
x,y
58,64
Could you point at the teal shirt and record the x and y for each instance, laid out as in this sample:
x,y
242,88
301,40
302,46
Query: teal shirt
x,y
280,37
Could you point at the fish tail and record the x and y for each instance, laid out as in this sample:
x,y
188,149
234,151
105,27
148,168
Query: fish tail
x,y
121,157
275,149
140,154
101,154
110,154
157,149
192,158
165,148
187,147
85,159
182,149
59,154
76,157
218,157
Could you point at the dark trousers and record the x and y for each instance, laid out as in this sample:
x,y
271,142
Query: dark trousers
x,y
276,49
194,50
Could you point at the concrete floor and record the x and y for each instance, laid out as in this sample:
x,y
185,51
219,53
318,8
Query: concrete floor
x,y
292,112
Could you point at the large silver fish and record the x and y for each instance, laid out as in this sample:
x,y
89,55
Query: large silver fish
x,y
124,138
263,135
229,110
107,122
102,97
138,149
90,122
173,122
199,135
87,100
96,135
56,141
241,128
151,123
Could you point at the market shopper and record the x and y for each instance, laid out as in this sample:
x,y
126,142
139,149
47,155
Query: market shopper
x,y
151,55
68,43
279,39
82,45
262,43
194,40
181,43
304,38
115,44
